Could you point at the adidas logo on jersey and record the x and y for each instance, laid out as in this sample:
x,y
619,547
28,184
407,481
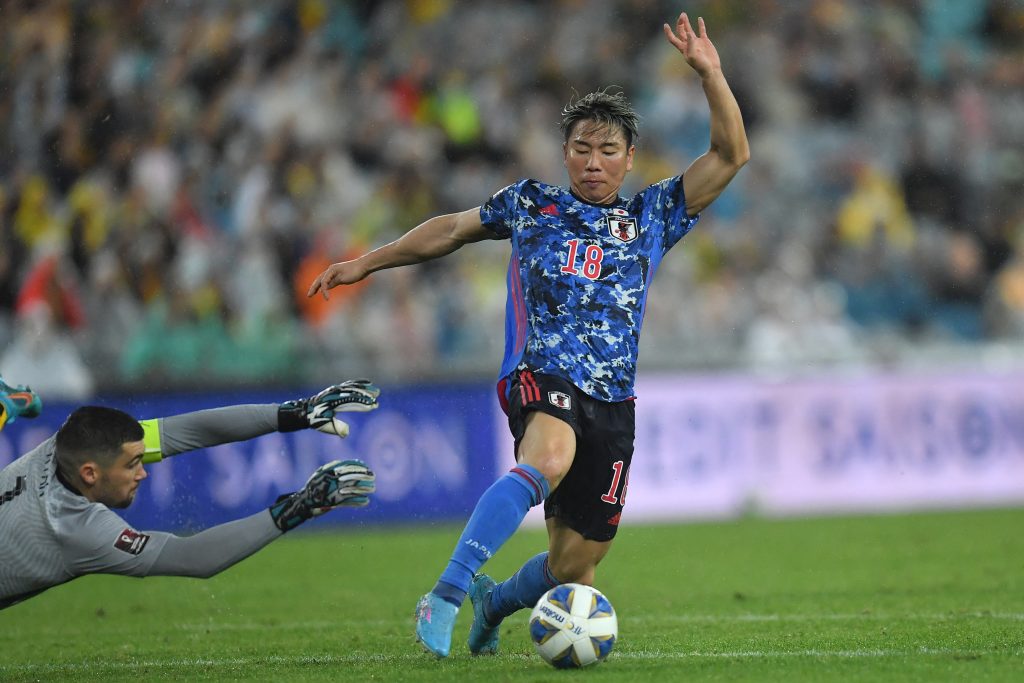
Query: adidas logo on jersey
x,y
19,488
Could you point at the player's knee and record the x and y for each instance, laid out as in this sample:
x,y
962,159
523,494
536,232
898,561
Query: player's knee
x,y
552,457
568,569
548,445
552,464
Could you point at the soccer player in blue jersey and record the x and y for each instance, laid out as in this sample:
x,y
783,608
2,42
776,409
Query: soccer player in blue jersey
x,y
582,261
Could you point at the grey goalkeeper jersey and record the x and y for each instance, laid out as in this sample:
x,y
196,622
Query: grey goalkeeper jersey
x,y
50,534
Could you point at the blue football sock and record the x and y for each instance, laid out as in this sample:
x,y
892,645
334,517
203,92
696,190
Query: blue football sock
x,y
496,517
522,589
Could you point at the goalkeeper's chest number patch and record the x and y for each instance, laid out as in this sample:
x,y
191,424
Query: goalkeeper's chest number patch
x,y
131,541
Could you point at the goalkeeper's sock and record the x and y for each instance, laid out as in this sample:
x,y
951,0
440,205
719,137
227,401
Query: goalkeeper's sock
x,y
522,589
496,517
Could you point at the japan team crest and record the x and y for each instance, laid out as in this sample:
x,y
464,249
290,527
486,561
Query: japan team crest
x,y
622,228
559,400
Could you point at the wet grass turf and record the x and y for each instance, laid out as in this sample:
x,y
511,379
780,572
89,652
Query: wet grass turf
x,y
923,597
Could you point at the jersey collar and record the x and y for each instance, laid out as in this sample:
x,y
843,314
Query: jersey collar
x,y
618,200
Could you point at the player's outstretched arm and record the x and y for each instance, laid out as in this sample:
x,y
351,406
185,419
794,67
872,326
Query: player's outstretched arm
x,y
17,401
341,483
434,238
336,484
204,428
708,176
320,412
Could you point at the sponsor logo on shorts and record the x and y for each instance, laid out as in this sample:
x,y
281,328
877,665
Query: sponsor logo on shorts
x,y
131,541
614,519
559,400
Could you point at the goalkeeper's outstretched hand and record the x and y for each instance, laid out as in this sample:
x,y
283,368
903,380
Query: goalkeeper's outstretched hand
x,y
320,412
17,401
341,483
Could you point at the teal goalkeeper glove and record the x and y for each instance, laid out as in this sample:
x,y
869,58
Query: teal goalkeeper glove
x,y
320,412
18,401
341,483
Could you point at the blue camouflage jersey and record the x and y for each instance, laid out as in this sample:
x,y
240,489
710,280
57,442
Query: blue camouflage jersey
x,y
578,278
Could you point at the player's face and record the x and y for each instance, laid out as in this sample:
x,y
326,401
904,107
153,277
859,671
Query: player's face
x,y
597,159
117,484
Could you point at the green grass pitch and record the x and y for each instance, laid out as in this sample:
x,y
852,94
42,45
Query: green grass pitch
x,y
924,597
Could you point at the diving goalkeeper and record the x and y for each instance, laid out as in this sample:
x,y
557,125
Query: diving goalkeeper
x,y
56,516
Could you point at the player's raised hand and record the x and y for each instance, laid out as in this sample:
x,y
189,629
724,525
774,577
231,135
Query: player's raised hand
x,y
343,273
697,48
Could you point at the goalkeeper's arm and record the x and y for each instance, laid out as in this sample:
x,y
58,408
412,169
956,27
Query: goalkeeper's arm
x,y
347,483
212,551
168,436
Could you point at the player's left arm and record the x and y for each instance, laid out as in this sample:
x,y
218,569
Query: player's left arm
x,y
168,436
98,541
709,174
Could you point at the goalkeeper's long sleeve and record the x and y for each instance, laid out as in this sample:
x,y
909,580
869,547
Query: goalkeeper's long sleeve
x,y
212,551
204,428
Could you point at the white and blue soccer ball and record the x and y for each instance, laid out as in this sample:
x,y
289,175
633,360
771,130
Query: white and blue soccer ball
x,y
573,626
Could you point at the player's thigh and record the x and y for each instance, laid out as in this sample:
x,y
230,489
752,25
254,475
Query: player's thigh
x,y
571,557
549,445
543,416
591,496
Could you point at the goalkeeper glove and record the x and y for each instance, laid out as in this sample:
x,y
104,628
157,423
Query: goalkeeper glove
x,y
341,483
18,401
319,412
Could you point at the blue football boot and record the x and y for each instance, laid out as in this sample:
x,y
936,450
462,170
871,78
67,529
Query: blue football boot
x,y
435,620
483,636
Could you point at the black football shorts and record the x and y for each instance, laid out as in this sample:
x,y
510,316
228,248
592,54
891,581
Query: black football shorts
x,y
590,497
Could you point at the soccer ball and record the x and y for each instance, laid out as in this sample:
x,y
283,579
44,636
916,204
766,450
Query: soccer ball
x,y
573,625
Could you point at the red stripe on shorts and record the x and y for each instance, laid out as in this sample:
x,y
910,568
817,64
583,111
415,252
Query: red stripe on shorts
x,y
531,385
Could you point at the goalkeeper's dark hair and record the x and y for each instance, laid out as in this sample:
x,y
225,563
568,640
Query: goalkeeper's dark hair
x,y
94,433
604,108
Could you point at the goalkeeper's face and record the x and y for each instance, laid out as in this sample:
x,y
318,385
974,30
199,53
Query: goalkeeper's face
x,y
118,482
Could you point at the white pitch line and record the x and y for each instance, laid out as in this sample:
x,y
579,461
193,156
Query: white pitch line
x,y
638,619
624,619
855,616
815,654
357,658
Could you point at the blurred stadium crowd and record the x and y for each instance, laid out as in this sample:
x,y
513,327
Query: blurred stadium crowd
x,y
175,174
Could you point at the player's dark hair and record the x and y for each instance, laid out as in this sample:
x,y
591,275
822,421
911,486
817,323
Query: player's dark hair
x,y
605,109
94,433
